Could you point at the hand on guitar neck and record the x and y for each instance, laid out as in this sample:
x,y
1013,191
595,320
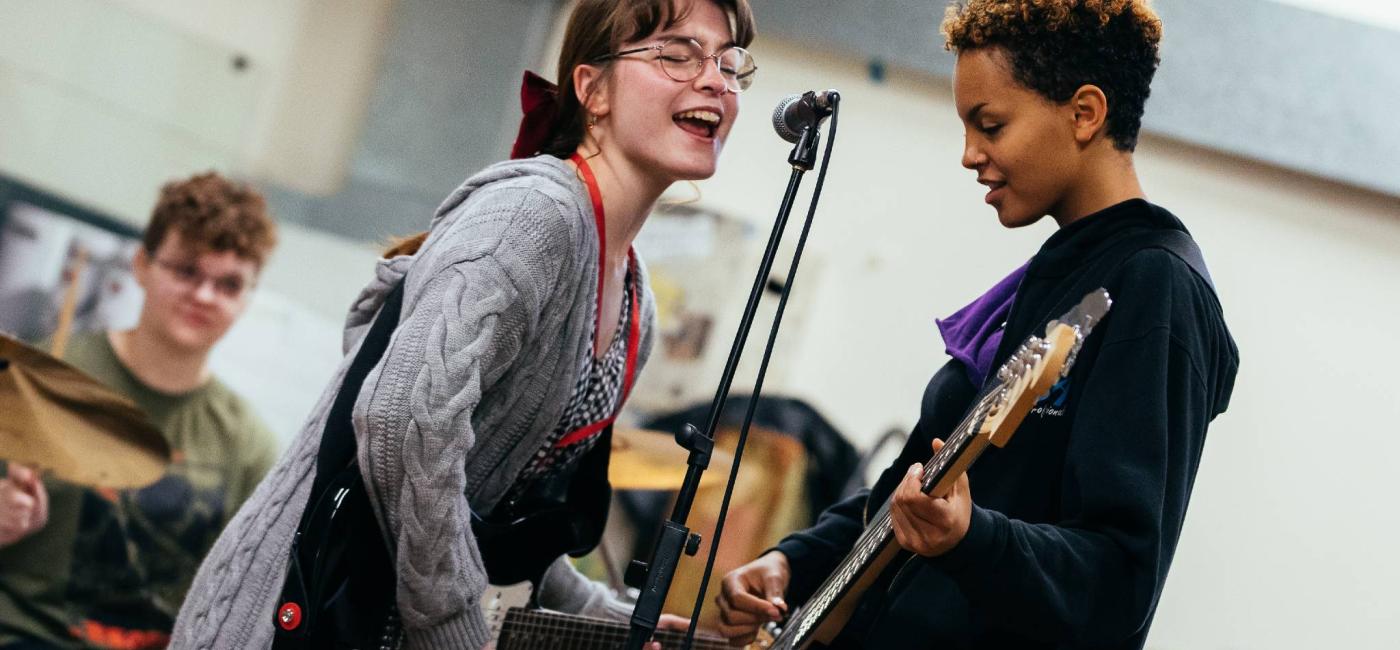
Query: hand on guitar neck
x,y
931,509
926,524
668,623
752,595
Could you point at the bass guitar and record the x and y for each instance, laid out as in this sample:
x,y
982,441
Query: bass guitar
x,y
1030,373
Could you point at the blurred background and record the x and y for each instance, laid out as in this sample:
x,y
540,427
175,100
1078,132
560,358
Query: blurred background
x,y
1270,132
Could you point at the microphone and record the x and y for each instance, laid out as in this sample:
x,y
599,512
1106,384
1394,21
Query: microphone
x,y
797,111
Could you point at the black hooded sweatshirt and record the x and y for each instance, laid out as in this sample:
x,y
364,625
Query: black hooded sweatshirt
x,y
1075,521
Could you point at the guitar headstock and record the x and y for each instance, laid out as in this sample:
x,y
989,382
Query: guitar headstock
x,y
1040,362
1082,319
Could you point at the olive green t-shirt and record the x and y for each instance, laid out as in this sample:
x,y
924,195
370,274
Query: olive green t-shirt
x,y
111,567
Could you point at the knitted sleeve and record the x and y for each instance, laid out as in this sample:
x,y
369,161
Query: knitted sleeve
x,y
564,589
469,306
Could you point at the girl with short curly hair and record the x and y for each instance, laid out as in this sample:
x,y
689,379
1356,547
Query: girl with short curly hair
x,y
1063,538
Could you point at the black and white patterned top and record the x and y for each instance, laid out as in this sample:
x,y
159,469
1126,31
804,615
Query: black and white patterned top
x,y
596,397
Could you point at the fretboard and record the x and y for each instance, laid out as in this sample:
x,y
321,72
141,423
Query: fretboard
x,y
1023,378
879,533
536,629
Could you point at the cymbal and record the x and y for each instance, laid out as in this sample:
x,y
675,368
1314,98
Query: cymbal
x,y
651,460
57,418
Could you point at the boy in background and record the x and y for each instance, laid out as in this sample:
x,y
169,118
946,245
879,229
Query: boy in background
x,y
97,568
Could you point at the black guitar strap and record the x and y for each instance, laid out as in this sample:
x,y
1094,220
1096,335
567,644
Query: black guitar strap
x,y
1185,248
1175,242
324,545
338,440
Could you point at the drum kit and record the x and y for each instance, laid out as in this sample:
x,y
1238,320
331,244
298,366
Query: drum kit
x,y
60,421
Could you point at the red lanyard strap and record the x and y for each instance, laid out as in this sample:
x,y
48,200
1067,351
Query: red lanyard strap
x,y
634,319
597,197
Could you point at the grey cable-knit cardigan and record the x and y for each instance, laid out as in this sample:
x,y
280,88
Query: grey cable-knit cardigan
x,y
499,307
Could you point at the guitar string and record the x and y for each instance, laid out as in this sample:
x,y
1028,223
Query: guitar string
x,y
579,631
881,529
876,534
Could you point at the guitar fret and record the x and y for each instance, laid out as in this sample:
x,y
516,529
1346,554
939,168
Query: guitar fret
x,y
545,630
1012,390
881,530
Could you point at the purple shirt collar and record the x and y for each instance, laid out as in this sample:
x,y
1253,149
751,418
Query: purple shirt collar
x,y
973,333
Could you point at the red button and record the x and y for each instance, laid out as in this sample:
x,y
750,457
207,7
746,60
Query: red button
x,y
289,616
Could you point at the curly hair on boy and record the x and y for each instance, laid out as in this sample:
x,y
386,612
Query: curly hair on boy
x,y
1056,46
211,212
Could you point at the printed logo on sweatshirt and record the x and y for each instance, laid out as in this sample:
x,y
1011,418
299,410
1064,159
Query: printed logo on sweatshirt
x,y
1053,403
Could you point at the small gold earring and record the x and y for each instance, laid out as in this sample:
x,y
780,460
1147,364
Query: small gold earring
x,y
592,121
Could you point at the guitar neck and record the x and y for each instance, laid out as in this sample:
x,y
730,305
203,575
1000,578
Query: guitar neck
x,y
872,550
535,629
1027,375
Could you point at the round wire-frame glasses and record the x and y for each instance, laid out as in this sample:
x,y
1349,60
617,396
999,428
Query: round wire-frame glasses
x,y
682,59
187,274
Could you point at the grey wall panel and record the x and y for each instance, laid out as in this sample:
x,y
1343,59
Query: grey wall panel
x,y
1250,78
1283,85
445,104
450,76
899,32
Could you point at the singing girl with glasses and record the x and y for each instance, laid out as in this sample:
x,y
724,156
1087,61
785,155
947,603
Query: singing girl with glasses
x,y
525,319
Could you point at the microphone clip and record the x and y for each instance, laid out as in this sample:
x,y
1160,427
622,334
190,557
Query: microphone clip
x,y
823,103
817,106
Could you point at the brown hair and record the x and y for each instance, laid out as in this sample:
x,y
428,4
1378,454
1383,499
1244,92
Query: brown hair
x,y
598,28
1056,46
404,245
212,213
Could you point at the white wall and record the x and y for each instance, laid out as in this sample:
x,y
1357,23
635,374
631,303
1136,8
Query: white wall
x,y
104,100
319,59
284,349
1381,13
895,232
103,104
1287,541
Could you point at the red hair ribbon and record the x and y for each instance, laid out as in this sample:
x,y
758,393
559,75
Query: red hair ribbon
x,y
540,101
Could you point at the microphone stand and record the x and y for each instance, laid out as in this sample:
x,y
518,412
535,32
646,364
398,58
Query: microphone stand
x,y
654,578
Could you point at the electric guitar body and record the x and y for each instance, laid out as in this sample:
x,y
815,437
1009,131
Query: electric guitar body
x,y
518,624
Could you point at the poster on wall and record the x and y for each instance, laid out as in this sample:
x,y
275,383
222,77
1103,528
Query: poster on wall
x,y
43,253
700,263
